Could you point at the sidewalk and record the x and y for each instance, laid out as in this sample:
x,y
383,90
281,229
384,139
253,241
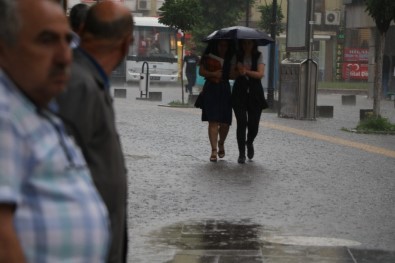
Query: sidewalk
x,y
343,91
313,193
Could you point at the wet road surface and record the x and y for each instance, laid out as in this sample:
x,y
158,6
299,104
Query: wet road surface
x,y
313,193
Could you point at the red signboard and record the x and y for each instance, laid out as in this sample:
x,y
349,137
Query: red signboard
x,y
360,55
355,65
355,71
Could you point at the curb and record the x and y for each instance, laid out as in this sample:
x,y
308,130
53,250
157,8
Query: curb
x,y
343,91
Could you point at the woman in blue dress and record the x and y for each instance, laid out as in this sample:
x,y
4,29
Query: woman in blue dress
x,y
215,66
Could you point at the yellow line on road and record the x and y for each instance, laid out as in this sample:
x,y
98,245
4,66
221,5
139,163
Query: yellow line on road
x,y
331,139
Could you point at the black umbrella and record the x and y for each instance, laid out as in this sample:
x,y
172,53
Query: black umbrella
x,y
240,32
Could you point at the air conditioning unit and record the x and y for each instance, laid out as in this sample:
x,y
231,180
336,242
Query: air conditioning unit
x,y
332,18
143,4
317,18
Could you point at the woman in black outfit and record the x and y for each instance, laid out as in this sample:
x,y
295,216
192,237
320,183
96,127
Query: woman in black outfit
x,y
248,99
217,107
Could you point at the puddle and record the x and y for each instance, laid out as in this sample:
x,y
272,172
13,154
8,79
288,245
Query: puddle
x,y
242,241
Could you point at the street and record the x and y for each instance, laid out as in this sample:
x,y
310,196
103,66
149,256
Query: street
x,y
312,193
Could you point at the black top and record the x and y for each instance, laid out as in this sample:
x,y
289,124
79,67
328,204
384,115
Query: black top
x,y
191,62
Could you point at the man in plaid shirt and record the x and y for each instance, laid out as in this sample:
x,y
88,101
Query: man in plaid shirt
x,y
50,210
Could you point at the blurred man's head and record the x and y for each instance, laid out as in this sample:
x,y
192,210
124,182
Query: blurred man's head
x,y
107,32
34,47
77,17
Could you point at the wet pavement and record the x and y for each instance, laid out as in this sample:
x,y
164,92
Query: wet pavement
x,y
313,193
213,241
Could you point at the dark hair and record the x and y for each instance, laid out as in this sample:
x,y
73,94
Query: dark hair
x,y
212,47
10,21
114,29
240,51
77,16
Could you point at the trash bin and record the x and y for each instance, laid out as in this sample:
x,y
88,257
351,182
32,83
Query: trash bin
x,y
297,95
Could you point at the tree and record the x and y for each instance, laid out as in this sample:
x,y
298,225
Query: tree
x,y
266,18
181,15
218,14
382,12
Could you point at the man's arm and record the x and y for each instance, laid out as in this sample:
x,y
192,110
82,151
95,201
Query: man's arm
x,y
10,248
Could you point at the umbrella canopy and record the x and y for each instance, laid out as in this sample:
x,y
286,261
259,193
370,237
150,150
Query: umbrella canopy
x,y
240,32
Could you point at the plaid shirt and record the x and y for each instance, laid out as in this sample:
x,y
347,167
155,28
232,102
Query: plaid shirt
x,y
59,215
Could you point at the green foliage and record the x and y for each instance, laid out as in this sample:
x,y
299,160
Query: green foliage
x,y
217,14
177,103
201,17
382,12
180,14
266,18
375,124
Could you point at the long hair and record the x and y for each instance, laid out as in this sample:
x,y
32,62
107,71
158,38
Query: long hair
x,y
212,47
77,16
240,51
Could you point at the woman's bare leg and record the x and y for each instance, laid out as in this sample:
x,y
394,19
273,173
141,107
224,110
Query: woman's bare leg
x,y
213,137
223,133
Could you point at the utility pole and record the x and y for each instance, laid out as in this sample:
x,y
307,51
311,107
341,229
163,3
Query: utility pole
x,y
248,13
272,59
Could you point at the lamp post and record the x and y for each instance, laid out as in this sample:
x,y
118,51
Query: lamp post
x,y
272,59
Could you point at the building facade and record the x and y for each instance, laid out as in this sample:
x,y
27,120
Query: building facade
x,y
344,37
361,33
329,24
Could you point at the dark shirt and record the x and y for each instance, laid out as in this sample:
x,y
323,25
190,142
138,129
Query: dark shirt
x,y
87,106
191,62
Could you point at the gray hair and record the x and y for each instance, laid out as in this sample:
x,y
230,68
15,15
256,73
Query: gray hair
x,y
9,21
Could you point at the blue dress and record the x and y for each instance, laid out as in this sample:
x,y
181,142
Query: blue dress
x,y
217,103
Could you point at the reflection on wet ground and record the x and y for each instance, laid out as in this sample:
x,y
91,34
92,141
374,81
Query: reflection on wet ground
x,y
214,241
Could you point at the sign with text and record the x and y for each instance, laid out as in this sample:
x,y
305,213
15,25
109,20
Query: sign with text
x,y
355,63
356,54
355,71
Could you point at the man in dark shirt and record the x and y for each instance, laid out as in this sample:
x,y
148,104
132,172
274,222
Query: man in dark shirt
x,y
87,107
191,61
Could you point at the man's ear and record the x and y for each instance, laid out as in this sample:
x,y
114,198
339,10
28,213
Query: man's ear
x,y
126,42
81,29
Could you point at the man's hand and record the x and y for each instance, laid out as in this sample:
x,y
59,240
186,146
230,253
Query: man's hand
x,y
10,248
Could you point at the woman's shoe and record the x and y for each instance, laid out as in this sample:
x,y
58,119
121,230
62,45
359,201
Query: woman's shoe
x,y
241,159
213,157
250,150
221,150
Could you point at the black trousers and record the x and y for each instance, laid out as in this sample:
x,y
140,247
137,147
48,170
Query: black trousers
x,y
247,118
191,77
